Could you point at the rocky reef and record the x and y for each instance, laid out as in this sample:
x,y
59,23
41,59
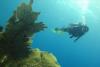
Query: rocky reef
x,y
15,40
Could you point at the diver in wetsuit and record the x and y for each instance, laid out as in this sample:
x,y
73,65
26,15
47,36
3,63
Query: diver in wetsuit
x,y
75,30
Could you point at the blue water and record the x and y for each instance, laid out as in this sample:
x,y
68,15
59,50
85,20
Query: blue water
x,y
85,52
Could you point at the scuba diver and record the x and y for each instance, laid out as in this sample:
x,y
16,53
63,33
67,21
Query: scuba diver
x,y
75,30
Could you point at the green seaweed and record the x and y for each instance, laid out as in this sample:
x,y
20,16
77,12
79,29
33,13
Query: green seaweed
x,y
15,40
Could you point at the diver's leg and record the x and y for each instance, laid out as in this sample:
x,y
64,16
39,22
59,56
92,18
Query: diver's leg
x,y
71,36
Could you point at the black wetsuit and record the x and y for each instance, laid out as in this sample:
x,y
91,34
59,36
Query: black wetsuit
x,y
77,31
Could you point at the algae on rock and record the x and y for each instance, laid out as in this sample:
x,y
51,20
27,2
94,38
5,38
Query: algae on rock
x,y
15,45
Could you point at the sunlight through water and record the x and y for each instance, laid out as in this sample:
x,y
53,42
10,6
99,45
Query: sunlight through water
x,y
83,6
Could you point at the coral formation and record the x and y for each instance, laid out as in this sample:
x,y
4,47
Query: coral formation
x,y
36,59
15,40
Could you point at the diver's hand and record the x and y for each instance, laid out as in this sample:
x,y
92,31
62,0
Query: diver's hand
x,y
77,38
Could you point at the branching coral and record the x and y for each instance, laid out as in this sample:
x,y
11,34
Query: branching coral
x,y
15,48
